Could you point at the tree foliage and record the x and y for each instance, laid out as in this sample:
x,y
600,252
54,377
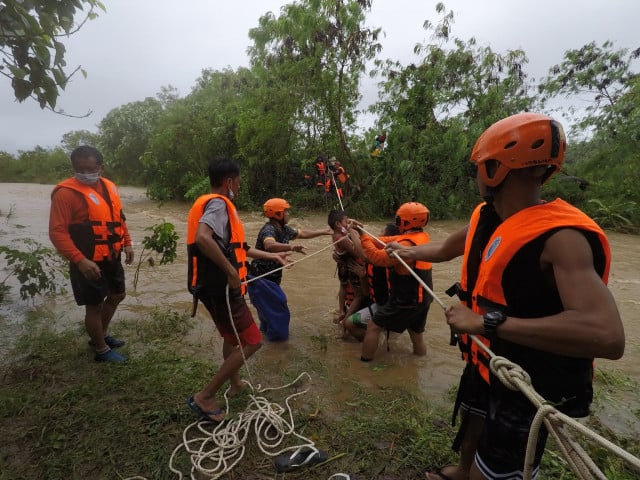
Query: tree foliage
x,y
299,98
434,110
315,53
123,137
33,55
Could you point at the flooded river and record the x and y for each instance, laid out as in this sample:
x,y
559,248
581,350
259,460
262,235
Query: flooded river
x,y
311,287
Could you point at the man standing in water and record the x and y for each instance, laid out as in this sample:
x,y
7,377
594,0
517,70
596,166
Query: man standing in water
x,y
87,227
217,271
265,293
533,284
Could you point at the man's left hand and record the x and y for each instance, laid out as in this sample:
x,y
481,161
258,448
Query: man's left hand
x,y
128,252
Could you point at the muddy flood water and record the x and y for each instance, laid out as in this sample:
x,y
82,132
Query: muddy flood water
x,y
311,288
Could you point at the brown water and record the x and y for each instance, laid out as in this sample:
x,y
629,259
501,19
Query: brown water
x,y
311,287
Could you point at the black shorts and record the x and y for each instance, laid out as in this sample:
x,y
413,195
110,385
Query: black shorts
x,y
472,399
397,319
90,292
503,443
473,392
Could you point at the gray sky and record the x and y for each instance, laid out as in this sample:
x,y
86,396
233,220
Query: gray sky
x,y
137,46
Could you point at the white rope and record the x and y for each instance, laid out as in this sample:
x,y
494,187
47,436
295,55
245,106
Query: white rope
x,y
335,187
289,265
214,449
411,271
515,378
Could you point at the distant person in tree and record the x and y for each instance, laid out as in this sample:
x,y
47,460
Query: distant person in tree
x,y
379,144
87,226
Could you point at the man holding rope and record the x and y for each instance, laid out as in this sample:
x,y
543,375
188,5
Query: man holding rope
x,y
534,284
265,293
217,272
408,303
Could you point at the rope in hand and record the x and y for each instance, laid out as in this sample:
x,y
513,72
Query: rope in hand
x,y
515,378
215,450
291,264
453,339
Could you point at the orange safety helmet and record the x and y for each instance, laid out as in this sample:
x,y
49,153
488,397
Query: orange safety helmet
x,y
275,207
519,141
411,215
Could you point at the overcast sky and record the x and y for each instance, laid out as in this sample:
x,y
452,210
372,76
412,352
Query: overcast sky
x,y
137,46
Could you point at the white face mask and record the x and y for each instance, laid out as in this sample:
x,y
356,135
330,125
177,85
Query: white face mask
x,y
88,178
231,195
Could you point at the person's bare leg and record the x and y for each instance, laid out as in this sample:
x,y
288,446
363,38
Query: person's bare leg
x,y
371,339
417,339
468,448
93,326
109,307
205,398
236,382
357,331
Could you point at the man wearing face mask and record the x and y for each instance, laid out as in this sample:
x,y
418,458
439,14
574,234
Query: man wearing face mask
x,y
87,227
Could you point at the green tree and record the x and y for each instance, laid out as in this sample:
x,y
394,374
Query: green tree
x,y
434,110
192,130
123,137
601,75
75,138
33,55
312,57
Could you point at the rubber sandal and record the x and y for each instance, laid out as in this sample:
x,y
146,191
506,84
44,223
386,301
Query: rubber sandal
x,y
111,342
305,456
110,356
204,414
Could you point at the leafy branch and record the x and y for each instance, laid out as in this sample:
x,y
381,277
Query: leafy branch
x,y
163,241
36,269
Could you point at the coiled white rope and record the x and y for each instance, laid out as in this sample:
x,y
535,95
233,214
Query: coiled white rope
x,y
215,450
515,378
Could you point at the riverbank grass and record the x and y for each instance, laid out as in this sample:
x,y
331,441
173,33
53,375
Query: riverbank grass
x,y
63,416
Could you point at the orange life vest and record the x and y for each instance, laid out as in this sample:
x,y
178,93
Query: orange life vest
x,y
517,231
404,289
202,271
471,352
521,228
100,237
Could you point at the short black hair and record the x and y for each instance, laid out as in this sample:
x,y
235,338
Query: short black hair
x,y
221,168
334,217
86,151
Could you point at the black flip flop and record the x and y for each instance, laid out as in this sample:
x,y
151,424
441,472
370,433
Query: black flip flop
x,y
300,458
203,414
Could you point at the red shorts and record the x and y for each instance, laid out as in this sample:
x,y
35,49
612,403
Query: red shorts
x,y
241,317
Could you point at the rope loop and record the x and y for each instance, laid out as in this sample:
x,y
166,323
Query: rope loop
x,y
510,374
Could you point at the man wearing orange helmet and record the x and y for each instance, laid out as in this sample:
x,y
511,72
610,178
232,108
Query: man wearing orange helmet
x,y
534,285
408,303
265,293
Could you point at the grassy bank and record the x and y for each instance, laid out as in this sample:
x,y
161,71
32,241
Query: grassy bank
x,y
62,416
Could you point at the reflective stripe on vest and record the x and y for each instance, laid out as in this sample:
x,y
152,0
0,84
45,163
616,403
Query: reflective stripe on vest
x,y
471,353
236,253
103,231
399,272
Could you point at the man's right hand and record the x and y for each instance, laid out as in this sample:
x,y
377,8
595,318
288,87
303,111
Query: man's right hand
x,y
402,250
89,269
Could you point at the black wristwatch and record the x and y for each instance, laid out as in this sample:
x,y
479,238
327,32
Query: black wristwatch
x,y
491,322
